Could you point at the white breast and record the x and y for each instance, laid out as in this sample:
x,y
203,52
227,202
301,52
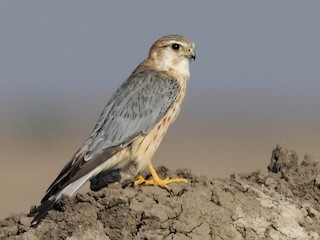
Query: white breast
x,y
170,61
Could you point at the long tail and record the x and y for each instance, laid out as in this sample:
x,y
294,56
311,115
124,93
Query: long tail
x,y
40,212
71,178
48,203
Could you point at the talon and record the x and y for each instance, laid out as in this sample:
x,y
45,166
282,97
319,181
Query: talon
x,y
171,192
157,181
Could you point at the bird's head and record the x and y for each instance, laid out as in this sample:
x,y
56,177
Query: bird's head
x,y
173,52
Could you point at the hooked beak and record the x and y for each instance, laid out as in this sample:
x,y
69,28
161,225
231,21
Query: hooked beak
x,y
192,54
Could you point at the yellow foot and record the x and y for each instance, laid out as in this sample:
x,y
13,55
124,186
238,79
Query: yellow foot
x,y
156,181
140,180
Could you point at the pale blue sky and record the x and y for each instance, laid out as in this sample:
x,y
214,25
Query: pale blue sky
x,y
256,75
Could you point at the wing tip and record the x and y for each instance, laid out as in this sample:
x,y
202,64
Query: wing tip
x,y
38,213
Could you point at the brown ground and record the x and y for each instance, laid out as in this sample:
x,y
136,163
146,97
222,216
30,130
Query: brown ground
x,y
280,204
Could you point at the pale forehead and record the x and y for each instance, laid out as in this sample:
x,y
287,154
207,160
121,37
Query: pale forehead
x,y
170,39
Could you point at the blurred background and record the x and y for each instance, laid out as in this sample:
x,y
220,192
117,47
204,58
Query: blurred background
x,y
255,83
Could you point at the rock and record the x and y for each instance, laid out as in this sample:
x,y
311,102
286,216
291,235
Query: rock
x,y
282,159
246,206
269,181
317,180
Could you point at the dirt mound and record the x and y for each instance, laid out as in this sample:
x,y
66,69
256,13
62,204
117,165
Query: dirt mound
x,y
280,204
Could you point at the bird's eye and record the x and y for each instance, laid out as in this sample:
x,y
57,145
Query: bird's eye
x,y
176,46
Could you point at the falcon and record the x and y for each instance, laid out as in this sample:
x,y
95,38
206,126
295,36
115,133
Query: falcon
x,y
132,124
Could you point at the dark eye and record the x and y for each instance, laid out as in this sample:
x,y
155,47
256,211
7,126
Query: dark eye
x,y
175,46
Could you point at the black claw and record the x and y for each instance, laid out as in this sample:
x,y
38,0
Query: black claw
x,y
171,192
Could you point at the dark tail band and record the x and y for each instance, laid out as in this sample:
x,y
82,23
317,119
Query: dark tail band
x,y
40,212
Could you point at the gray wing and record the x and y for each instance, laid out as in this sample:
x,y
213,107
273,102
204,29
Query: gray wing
x,y
134,109
137,106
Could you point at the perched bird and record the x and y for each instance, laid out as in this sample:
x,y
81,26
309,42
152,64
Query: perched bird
x,y
132,124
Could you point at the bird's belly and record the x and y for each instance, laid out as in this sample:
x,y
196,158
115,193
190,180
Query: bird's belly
x,y
144,147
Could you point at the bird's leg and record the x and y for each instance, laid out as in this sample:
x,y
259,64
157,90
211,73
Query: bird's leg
x,y
157,181
140,180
